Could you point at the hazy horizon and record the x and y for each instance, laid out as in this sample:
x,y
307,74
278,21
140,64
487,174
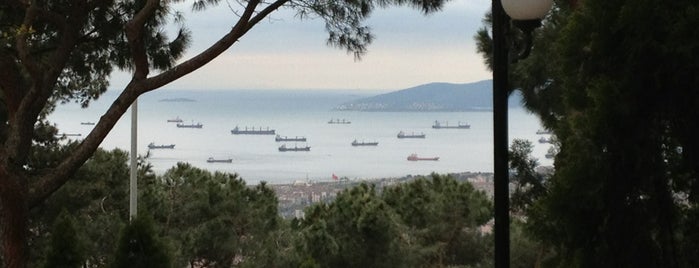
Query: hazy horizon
x,y
284,52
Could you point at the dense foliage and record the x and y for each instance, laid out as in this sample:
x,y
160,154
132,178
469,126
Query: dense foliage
x,y
140,247
423,223
203,219
616,81
66,245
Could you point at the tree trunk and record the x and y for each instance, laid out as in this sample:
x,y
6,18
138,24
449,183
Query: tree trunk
x,y
13,218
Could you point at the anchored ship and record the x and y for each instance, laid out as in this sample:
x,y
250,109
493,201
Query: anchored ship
x,y
362,143
283,148
252,131
285,138
163,146
197,125
175,120
438,125
414,157
338,121
402,135
213,160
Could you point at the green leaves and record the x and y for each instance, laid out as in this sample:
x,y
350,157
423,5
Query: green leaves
x,y
201,217
216,218
139,246
356,230
421,223
67,247
530,185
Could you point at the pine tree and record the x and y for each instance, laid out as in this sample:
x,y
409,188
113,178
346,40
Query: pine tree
x,y
140,247
67,247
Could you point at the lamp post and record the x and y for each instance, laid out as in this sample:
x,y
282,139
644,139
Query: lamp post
x,y
133,180
525,14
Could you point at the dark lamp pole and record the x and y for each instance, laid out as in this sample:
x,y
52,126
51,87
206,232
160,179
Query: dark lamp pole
x,y
527,13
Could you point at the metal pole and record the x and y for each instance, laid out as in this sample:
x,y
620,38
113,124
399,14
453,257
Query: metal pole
x,y
133,182
500,140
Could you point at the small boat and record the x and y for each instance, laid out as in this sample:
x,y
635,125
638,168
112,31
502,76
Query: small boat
x,y
544,140
362,143
283,148
285,138
402,135
87,123
163,146
438,125
338,121
175,120
213,160
543,132
197,125
252,131
414,157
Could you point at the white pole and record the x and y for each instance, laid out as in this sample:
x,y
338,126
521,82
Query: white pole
x,y
133,182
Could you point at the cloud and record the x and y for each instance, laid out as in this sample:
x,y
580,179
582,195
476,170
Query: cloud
x,y
285,52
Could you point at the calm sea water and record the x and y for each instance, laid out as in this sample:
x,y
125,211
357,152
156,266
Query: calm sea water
x,y
300,113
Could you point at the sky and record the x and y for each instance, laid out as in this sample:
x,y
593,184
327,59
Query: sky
x,y
285,52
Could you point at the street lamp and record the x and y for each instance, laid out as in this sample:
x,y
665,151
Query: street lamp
x,y
526,9
526,15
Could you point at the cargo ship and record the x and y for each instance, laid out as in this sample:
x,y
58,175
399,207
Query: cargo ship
x,y
197,125
285,138
438,125
414,157
163,146
252,131
283,148
402,135
175,120
338,121
213,160
362,143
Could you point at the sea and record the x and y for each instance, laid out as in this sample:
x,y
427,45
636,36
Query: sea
x,y
256,158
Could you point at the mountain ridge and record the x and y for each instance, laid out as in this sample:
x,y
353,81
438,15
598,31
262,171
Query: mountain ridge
x,y
431,97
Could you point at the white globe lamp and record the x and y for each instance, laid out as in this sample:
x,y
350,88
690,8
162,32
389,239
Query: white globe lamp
x,y
526,9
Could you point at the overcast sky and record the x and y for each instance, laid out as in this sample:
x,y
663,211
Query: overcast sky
x,y
287,53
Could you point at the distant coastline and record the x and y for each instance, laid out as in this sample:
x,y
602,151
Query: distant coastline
x,y
432,97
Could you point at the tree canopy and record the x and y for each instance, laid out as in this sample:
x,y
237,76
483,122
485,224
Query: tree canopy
x,y
617,83
431,222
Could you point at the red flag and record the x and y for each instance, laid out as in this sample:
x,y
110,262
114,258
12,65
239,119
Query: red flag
x,y
334,176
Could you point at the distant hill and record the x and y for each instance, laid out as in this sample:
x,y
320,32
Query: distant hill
x,y
433,97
